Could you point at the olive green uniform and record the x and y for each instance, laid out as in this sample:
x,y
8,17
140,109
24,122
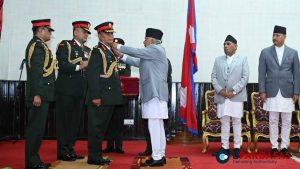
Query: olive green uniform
x,y
114,134
40,82
103,83
70,87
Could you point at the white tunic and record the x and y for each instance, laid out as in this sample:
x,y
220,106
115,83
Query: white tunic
x,y
229,108
279,103
155,109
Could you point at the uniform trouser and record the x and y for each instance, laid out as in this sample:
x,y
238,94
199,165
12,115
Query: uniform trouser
x,y
37,118
147,135
286,119
158,138
114,133
225,131
68,114
98,121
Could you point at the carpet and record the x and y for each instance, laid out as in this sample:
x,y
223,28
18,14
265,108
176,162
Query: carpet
x,y
172,163
13,155
78,164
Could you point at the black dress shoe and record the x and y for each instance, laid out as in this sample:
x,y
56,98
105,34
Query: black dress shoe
x,y
222,149
164,159
145,153
108,150
285,152
119,151
153,163
151,159
67,157
275,152
101,161
236,153
77,157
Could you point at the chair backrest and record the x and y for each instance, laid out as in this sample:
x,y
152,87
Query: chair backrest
x,y
257,108
298,113
211,106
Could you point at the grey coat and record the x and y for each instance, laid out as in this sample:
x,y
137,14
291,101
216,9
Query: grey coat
x,y
153,67
235,80
273,76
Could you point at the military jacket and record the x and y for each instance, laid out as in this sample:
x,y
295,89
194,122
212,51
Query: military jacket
x,y
40,67
69,81
103,77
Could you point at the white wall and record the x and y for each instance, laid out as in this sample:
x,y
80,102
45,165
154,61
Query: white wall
x,y
251,22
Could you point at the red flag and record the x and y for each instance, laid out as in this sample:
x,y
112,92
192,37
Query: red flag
x,y
1,15
189,67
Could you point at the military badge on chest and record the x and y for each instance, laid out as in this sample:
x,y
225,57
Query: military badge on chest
x,y
76,54
121,66
110,58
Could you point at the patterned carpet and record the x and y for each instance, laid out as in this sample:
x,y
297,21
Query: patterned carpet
x,y
78,164
172,163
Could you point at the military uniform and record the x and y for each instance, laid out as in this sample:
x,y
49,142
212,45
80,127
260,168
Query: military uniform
x,y
40,67
114,134
70,88
103,83
124,69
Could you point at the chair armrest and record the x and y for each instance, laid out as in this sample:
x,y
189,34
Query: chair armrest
x,y
246,114
297,114
253,118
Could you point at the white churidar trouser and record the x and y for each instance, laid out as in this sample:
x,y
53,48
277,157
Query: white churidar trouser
x,y
155,111
286,119
225,131
158,138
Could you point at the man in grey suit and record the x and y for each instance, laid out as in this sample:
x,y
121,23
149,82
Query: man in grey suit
x,y
229,78
279,87
153,67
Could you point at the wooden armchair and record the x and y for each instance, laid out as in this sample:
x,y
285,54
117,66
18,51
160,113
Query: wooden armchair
x,y
260,119
211,124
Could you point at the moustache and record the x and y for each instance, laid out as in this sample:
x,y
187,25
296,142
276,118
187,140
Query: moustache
x,y
274,40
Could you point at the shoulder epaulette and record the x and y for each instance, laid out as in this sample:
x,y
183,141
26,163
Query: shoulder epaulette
x,y
61,44
74,61
103,47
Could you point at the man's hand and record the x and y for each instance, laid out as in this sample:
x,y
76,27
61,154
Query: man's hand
x,y
230,94
223,93
295,98
114,45
117,53
96,102
37,101
263,96
83,65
